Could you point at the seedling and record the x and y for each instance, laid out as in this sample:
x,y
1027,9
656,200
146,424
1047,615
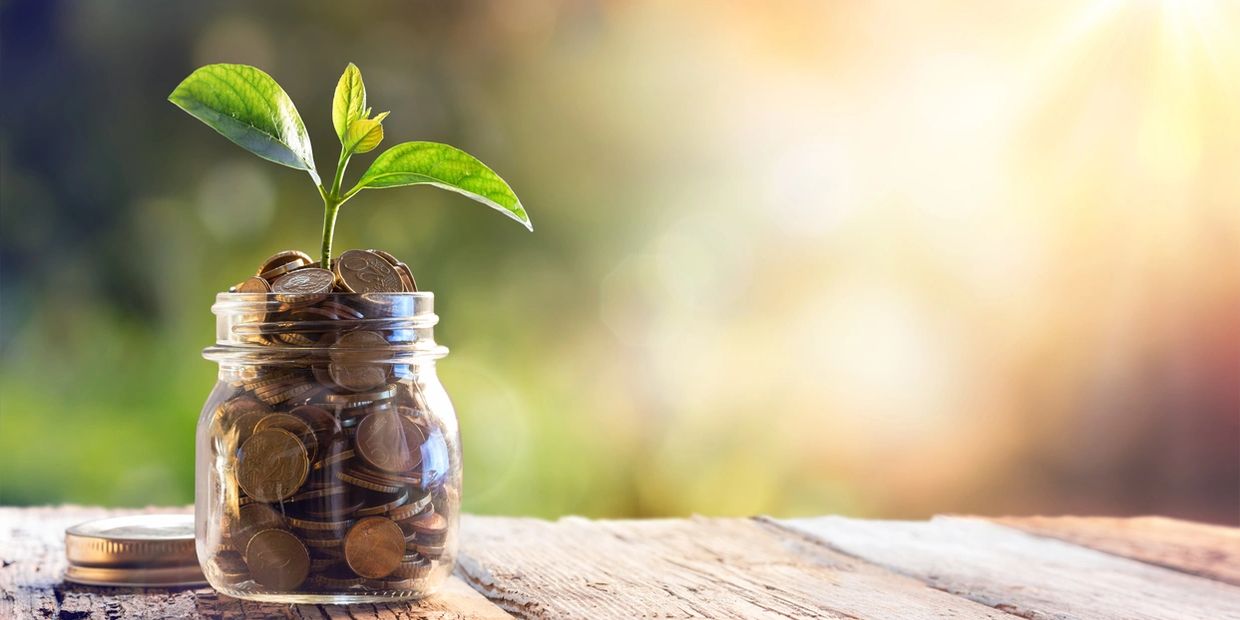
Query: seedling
x,y
248,107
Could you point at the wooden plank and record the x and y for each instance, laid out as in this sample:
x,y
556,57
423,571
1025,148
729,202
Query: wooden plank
x,y
32,567
1025,575
684,568
1211,551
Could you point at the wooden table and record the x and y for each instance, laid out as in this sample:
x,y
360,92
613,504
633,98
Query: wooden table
x,y
824,567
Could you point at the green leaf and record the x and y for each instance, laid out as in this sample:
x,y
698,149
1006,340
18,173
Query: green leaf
x,y
249,108
445,167
364,134
349,104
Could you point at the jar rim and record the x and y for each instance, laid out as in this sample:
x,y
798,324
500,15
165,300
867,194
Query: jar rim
x,y
246,323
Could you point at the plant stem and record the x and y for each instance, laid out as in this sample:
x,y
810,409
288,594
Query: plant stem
x,y
331,206
330,209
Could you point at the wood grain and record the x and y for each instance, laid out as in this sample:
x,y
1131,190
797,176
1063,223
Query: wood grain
x,y
1196,548
1025,575
32,567
684,568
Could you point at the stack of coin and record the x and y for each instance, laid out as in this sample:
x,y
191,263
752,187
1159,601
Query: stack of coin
x,y
333,470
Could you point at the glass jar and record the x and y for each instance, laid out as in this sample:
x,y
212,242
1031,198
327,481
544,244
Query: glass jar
x,y
328,456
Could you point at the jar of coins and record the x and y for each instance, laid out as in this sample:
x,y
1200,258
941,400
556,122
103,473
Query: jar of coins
x,y
328,458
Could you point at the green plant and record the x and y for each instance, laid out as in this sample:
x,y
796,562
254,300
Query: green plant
x,y
248,107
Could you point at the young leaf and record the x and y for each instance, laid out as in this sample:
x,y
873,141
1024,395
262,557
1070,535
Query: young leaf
x,y
445,167
349,104
249,108
364,134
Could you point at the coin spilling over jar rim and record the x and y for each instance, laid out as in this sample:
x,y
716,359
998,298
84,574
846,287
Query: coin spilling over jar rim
x,y
143,550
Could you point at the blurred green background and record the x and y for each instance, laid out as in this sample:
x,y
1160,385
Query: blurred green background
x,y
882,259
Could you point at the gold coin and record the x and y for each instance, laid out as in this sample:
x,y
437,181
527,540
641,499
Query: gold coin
x,y
277,559
361,271
390,584
261,379
406,277
338,457
296,339
276,272
318,419
231,566
402,270
239,417
382,508
342,311
272,465
428,525
433,552
310,524
294,425
320,544
350,367
411,509
287,392
303,283
338,579
357,481
385,255
256,517
359,400
253,284
283,258
374,547
413,566
390,442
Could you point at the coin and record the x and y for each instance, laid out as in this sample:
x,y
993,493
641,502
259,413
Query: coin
x,y
411,509
294,425
292,265
241,414
361,271
317,418
296,339
402,270
344,312
320,544
308,281
253,284
413,566
390,442
406,276
338,578
283,258
335,507
350,368
286,391
277,559
338,457
374,547
385,255
348,401
385,504
256,517
311,524
272,464
231,566
428,526
358,481
433,552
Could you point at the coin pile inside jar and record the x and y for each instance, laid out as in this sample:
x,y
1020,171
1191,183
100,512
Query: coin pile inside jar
x,y
334,471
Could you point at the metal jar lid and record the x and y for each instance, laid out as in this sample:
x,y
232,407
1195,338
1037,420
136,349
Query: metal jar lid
x,y
149,550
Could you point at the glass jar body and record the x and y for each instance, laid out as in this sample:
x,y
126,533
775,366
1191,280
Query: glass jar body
x,y
328,467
